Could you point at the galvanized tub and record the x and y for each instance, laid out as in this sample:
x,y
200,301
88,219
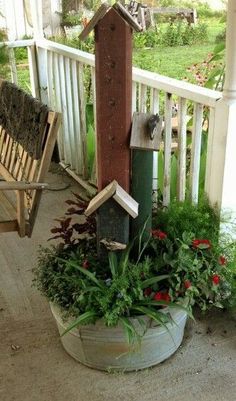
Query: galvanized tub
x,y
106,348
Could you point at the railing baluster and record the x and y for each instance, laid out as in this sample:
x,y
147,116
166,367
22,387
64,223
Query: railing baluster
x,y
154,100
64,110
182,147
76,117
167,149
58,104
71,128
32,60
143,98
12,61
83,130
134,96
154,108
196,151
50,80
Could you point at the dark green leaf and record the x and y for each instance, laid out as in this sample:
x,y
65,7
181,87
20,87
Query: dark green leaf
x,y
154,280
82,319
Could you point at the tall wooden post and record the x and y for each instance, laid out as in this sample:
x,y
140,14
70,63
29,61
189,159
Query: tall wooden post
x,y
113,48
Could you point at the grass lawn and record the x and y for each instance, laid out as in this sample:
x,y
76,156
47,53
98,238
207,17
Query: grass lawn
x,y
173,61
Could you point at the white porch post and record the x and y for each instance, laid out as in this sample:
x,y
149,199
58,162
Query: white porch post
x,y
221,159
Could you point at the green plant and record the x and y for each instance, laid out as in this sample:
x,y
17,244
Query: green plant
x,y
72,276
174,267
3,50
201,260
174,34
211,71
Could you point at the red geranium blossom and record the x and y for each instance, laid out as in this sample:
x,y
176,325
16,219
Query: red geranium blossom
x,y
222,260
187,284
215,279
85,264
166,297
197,243
157,296
162,296
159,234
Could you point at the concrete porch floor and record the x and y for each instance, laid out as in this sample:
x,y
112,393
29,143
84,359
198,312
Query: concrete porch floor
x,y
35,367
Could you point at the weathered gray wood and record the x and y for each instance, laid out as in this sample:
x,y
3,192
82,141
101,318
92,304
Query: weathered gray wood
x,y
140,133
93,22
21,186
115,191
17,168
189,14
128,17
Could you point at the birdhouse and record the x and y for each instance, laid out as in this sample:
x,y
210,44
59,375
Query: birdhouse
x,y
113,206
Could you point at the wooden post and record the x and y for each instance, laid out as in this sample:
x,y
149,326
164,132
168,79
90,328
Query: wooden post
x,y
113,48
142,168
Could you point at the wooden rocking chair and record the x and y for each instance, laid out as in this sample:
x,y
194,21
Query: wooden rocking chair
x,y
24,176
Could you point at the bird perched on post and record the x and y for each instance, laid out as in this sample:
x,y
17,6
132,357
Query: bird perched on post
x,y
151,125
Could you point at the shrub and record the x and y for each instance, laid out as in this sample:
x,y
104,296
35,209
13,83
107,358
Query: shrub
x,y
174,34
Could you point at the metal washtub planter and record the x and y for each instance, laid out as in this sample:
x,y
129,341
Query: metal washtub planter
x,y
106,348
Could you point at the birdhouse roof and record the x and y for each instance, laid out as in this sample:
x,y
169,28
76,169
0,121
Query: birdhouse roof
x,y
101,12
115,191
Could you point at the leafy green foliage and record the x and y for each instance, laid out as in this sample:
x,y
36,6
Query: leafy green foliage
x,y
174,34
3,50
211,71
201,261
178,217
182,264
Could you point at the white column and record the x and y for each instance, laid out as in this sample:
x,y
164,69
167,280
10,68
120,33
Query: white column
x,y
230,72
221,158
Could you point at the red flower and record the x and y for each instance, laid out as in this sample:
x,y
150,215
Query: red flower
x,y
222,261
201,243
161,296
159,234
187,284
157,296
215,279
147,292
85,264
166,297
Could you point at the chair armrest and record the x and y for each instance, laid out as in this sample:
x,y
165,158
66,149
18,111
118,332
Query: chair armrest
x,y
21,186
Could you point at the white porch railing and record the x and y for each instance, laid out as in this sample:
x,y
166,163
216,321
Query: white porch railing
x,y
65,78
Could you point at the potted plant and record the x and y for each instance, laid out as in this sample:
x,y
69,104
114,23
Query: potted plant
x,y
129,312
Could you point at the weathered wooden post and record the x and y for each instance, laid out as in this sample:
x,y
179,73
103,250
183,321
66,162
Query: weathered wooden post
x,y
113,66
145,138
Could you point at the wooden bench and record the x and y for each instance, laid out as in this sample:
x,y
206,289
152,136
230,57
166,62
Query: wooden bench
x,y
22,178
